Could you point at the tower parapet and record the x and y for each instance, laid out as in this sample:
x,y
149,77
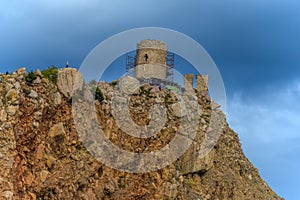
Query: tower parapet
x,y
152,44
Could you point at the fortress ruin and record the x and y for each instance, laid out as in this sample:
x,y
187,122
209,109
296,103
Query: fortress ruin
x,y
153,62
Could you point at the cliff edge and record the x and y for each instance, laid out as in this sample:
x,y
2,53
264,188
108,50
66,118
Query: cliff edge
x,y
43,157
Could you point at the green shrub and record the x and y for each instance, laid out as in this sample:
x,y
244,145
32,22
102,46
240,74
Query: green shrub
x,y
99,95
167,99
30,77
145,92
113,83
26,91
50,74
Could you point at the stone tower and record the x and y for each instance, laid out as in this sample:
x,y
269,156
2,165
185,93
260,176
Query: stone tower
x,y
151,59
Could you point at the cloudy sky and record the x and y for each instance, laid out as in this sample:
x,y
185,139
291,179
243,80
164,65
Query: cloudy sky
x,y
255,44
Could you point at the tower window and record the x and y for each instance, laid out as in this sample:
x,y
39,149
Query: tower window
x,y
146,57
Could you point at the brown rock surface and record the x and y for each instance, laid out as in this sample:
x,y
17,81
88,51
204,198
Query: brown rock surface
x,y
49,161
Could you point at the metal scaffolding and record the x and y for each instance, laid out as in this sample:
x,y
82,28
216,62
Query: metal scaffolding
x,y
170,66
131,64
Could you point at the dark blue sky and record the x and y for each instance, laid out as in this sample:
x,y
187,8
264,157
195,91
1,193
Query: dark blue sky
x,y
257,40
255,45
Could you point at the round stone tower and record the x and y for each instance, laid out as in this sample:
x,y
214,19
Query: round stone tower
x,y
151,59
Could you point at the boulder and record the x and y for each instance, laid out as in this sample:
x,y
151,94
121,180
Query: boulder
x,y
3,116
68,81
38,73
21,71
33,94
56,130
38,80
7,194
36,124
11,80
11,95
128,84
38,115
11,110
179,109
17,85
57,99
44,175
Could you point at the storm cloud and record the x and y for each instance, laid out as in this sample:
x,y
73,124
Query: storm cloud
x,y
255,45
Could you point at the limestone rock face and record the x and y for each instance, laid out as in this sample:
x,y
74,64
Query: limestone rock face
x,y
69,79
42,155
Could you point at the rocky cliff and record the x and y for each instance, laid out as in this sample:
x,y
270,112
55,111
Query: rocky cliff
x,y
43,157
